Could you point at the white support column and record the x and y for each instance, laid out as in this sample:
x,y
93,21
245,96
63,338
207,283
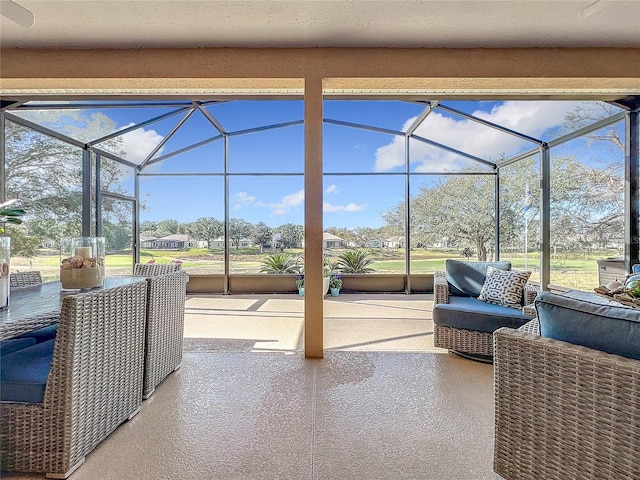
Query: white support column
x,y
313,251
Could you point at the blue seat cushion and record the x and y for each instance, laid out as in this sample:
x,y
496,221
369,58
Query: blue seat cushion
x,y
595,325
466,278
472,314
23,374
15,344
42,334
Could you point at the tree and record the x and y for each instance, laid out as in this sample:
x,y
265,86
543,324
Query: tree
x,y
205,228
23,244
45,173
168,227
291,235
117,235
262,234
239,229
458,207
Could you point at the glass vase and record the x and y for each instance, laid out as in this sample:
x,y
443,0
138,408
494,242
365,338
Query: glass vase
x,y
5,256
82,262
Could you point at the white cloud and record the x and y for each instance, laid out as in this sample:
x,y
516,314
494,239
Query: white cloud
x,y
241,199
139,143
287,203
530,118
333,188
351,207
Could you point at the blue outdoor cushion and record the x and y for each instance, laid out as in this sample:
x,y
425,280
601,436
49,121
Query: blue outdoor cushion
x,y
466,278
595,325
472,314
15,344
42,334
23,374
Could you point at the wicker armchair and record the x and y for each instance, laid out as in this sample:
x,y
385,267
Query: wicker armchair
x,y
478,344
146,269
24,279
94,384
166,295
564,411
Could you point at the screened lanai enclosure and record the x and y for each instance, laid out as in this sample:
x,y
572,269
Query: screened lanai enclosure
x,y
220,186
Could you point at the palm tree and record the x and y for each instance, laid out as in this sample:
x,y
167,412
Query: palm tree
x,y
279,263
355,261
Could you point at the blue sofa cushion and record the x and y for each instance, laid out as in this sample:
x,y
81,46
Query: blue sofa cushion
x,y
595,325
466,278
472,314
15,344
23,374
42,334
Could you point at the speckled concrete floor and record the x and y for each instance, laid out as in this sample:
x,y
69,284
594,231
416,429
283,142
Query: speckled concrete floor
x,y
249,406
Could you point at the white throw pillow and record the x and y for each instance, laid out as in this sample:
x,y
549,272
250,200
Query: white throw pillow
x,y
504,287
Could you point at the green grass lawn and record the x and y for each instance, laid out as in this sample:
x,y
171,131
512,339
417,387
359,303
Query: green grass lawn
x,y
575,270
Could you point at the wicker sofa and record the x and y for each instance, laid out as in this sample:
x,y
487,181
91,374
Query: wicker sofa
x,y
62,397
565,410
464,324
166,295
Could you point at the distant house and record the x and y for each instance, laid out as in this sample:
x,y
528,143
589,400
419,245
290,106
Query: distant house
x,y
394,242
219,243
374,243
332,241
48,243
177,241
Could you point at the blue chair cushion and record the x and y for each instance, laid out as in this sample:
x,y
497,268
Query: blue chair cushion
x,y
42,334
15,344
472,314
466,278
23,374
595,325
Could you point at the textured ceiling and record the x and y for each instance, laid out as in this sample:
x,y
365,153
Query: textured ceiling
x,y
324,23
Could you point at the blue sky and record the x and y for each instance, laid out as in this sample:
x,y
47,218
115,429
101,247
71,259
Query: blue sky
x,y
349,201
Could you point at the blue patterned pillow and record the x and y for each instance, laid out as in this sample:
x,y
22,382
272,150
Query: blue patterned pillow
x,y
504,287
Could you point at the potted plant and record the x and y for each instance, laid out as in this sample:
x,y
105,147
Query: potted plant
x,y
300,284
335,284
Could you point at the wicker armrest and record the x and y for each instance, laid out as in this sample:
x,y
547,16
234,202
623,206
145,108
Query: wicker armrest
x,y
532,326
440,288
572,412
26,325
531,291
530,310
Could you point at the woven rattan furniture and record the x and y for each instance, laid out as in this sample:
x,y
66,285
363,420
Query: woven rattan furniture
x,y
478,344
94,384
24,279
144,269
164,327
564,411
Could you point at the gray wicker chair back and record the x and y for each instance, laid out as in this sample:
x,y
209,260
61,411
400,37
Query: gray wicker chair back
x,y
94,384
166,295
146,269
24,279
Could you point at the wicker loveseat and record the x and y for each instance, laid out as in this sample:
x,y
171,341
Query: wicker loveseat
x,y
564,410
62,397
464,324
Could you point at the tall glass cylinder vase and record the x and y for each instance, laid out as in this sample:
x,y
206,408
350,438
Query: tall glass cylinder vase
x,y
5,256
82,262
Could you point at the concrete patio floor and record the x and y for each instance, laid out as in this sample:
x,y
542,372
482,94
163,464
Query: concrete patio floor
x,y
353,322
